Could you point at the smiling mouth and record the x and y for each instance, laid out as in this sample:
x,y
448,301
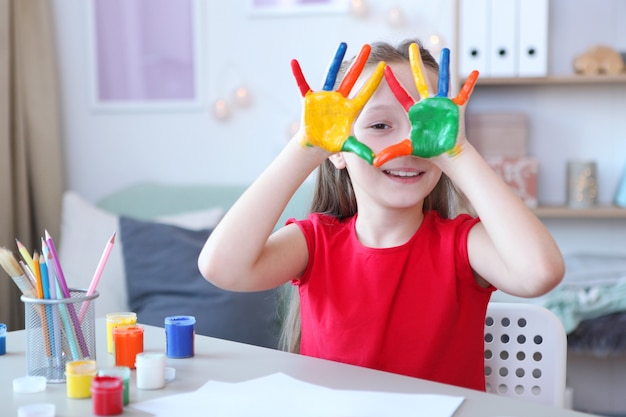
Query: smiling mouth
x,y
403,174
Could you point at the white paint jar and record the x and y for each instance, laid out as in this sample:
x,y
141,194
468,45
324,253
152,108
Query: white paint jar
x,y
150,370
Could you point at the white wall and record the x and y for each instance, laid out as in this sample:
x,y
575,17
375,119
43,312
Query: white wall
x,y
108,150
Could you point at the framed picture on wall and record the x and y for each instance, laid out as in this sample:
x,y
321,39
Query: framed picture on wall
x,y
288,7
146,54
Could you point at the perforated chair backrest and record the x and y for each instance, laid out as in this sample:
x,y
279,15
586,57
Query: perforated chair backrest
x,y
525,353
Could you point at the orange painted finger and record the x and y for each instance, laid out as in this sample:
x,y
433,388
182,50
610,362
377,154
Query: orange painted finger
x,y
404,148
466,90
354,71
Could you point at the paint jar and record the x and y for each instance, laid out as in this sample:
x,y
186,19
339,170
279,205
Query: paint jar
x,y
122,372
79,375
150,370
179,336
128,342
3,338
582,185
108,395
113,320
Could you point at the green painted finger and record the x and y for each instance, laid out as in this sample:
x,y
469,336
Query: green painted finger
x,y
353,145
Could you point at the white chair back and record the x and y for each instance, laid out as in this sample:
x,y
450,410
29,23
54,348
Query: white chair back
x,y
525,353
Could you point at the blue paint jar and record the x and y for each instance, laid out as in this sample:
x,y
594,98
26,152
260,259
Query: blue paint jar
x,y
179,336
3,338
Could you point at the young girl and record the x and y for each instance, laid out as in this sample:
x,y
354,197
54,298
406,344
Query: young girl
x,y
391,272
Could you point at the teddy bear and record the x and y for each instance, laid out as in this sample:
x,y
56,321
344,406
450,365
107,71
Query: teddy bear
x,y
599,59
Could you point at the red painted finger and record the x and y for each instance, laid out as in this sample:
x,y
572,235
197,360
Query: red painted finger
x,y
403,97
300,81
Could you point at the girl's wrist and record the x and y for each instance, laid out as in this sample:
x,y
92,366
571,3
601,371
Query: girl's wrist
x,y
312,154
462,151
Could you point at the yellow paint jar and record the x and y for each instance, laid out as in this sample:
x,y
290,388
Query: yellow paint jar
x,y
78,375
126,318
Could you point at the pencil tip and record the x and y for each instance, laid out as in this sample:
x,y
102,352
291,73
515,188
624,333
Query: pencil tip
x,y
113,237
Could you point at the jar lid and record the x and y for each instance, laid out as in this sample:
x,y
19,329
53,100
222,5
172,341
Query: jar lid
x,y
170,374
131,330
180,320
81,367
29,384
36,410
119,371
150,359
121,317
106,383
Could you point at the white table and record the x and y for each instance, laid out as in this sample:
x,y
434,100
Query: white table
x,y
226,361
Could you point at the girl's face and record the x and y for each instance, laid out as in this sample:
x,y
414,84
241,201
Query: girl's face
x,y
402,182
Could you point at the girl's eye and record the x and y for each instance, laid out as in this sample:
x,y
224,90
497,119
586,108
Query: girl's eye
x,y
379,126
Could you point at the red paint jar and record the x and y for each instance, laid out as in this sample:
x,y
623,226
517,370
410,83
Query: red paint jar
x,y
107,393
128,341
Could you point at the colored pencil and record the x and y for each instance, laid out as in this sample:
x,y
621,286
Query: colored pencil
x,y
57,340
66,293
25,255
43,268
96,276
57,266
37,273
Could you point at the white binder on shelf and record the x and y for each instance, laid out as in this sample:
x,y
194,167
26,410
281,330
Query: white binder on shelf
x,y
473,37
503,51
533,38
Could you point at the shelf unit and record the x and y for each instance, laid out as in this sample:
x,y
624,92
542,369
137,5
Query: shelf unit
x,y
564,212
553,212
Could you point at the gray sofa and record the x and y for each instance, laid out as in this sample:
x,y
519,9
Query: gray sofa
x,y
152,270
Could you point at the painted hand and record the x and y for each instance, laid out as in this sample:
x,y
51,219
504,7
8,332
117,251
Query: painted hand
x,y
434,119
329,115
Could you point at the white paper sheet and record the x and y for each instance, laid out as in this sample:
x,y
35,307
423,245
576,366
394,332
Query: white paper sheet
x,y
279,395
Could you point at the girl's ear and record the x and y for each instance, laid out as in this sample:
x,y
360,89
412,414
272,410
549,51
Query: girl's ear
x,y
338,160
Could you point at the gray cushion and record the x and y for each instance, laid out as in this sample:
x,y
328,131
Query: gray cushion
x,y
163,280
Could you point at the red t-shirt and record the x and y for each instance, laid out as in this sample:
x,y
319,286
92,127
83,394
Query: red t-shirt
x,y
414,309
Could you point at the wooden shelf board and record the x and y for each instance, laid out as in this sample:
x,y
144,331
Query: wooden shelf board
x,y
599,212
553,80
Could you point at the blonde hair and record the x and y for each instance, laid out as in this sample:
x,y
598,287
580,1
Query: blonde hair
x,y
334,194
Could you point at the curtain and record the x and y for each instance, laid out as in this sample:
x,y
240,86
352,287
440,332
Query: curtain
x,y
31,165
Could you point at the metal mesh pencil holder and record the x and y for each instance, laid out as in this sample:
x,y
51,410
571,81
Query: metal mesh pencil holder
x,y
59,331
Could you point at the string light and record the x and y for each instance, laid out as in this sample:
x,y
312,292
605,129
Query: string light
x,y
395,17
221,109
240,96
359,8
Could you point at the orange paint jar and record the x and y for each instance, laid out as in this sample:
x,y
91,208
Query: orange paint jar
x,y
128,342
